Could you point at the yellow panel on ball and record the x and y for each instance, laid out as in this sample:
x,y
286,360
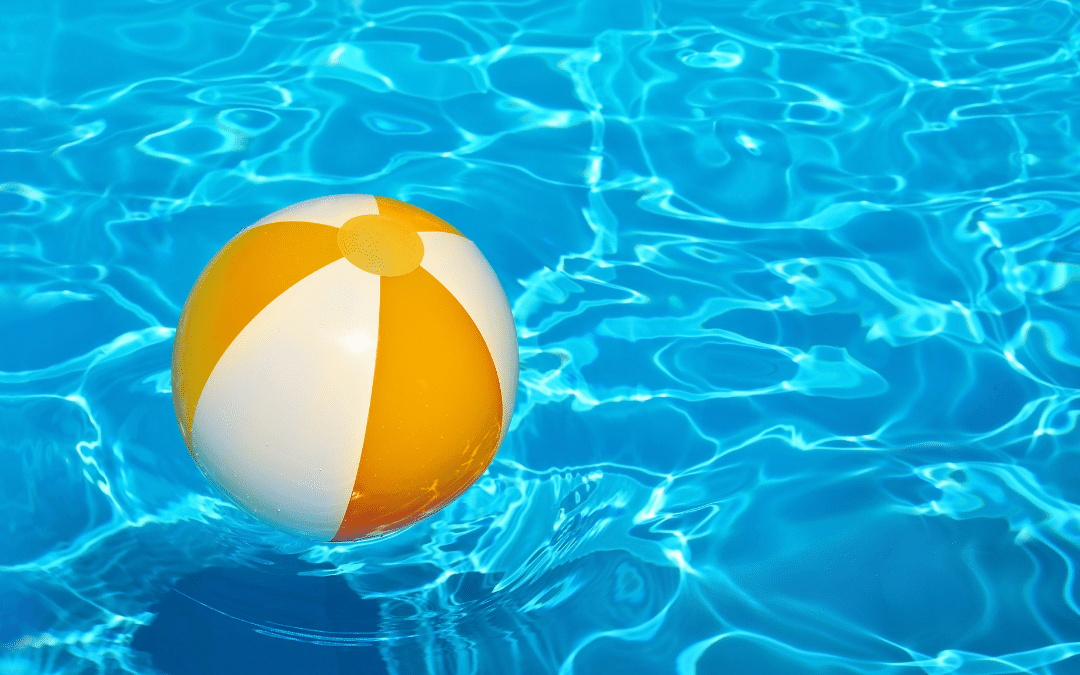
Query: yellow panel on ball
x,y
436,409
345,367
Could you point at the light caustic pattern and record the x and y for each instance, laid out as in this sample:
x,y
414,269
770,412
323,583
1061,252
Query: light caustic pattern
x,y
796,292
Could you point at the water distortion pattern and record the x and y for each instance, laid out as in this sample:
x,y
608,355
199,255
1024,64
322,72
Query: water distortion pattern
x,y
795,285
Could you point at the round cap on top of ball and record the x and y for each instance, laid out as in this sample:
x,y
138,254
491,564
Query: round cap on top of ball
x,y
345,367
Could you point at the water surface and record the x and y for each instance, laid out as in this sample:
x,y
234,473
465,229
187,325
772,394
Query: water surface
x,y
795,287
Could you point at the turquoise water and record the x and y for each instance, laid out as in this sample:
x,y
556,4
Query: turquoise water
x,y
796,292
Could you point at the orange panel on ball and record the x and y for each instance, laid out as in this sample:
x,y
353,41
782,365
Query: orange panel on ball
x,y
415,216
243,278
436,408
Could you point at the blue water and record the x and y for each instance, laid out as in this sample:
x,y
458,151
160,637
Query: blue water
x,y
796,290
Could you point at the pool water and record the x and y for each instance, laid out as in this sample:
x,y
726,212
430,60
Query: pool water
x,y
796,289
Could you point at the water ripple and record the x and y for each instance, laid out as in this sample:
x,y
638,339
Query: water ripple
x,y
795,286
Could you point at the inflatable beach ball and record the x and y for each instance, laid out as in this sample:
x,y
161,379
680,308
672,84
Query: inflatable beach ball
x,y
345,367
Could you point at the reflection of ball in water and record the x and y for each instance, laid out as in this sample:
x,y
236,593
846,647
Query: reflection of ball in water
x,y
345,367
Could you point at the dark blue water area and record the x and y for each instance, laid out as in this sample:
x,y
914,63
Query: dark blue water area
x,y
795,287
218,620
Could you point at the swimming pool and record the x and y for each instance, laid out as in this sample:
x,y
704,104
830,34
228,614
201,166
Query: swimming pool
x,y
795,289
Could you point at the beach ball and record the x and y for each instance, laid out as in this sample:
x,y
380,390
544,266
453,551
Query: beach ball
x,y
345,367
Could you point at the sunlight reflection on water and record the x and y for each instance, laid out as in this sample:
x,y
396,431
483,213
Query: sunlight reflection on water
x,y
795,292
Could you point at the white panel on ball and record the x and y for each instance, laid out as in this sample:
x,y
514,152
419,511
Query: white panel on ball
x,y
280,424
333,210
460,266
